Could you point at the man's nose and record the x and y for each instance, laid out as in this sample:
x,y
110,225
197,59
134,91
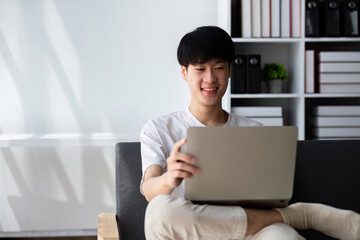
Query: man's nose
x,y
209,76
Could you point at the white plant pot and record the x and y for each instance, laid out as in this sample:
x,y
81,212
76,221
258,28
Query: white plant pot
x,y
275,86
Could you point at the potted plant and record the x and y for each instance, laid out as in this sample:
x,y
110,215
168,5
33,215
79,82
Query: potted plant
x,y
274,74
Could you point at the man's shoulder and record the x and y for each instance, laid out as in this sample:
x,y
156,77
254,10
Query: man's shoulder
x,y
166,120
168,117
166,129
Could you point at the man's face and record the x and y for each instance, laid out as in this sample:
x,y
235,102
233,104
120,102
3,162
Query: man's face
x,y
207,82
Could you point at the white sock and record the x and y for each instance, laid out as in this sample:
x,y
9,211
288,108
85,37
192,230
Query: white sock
x,y
337,223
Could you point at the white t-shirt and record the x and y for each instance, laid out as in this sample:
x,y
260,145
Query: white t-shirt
x,y
159,136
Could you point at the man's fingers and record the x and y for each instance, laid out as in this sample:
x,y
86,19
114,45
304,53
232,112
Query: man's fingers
x,y
181,174
180,157
179,144
184,158
182,166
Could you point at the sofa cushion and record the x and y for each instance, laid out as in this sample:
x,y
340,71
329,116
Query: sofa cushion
x,y
328,172
130,203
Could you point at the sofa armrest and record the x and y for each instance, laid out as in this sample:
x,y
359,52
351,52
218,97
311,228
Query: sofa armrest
x,y
107,227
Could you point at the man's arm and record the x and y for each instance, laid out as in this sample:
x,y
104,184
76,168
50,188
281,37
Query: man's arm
x,y
157,182
153,183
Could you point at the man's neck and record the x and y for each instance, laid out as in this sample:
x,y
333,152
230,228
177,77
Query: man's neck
x,y
209,116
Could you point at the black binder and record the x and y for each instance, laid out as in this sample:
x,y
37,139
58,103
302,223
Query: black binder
x,y
331,18
351,18
312,18
238,74
253,74
235,18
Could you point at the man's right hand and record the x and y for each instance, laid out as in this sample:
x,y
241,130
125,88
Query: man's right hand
x,y
157,182
179,166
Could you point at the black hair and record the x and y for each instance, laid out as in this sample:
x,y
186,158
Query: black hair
x,y
204,44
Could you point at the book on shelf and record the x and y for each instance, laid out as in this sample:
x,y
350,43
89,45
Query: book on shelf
x,y
235,18
275,18
339,87
341,121
338,72
269,121
253,83
336,121
265,18
258,111
246,74
312,18
330,18
351,18
268,116
339,56
246,18
256,18
339,78
285,18
295,18
339,67
309,71
336,110
239,74
336,131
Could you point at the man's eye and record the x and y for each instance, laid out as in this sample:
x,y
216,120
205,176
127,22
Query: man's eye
x,y
219,68
200,69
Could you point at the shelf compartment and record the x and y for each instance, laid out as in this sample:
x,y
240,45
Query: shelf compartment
x,y
312,102
287,53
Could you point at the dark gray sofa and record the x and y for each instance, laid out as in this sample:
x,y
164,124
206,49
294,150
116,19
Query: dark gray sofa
x,y
326,172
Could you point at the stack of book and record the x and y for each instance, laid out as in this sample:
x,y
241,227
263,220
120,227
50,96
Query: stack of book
x,y
266,18
338,72
336,122
269,116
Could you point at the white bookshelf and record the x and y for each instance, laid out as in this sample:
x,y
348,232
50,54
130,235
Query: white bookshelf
x,y
291,52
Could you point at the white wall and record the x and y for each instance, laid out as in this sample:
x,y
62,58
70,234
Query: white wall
x,y
92,65
82,66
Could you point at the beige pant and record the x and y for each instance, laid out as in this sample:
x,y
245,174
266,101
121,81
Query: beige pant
x,y
168,217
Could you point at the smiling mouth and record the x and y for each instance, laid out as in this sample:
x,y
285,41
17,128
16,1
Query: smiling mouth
x,y
210,89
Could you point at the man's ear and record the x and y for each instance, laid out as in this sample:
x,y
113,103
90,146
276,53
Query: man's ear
x,y
184,72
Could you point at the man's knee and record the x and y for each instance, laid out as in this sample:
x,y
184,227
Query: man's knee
x,y
159,213
278,231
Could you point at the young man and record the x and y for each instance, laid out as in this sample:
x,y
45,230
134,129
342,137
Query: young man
x,y
205,56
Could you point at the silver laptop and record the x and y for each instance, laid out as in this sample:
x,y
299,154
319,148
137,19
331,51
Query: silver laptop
x,y
246,166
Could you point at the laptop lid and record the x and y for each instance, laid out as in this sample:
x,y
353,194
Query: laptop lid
x,y
248,166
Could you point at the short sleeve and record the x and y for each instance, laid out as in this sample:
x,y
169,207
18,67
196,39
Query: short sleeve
x,y
152,148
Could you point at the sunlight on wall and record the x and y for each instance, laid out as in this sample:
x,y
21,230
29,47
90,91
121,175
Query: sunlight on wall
x,y
11,108
63,47
11,61
63,117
